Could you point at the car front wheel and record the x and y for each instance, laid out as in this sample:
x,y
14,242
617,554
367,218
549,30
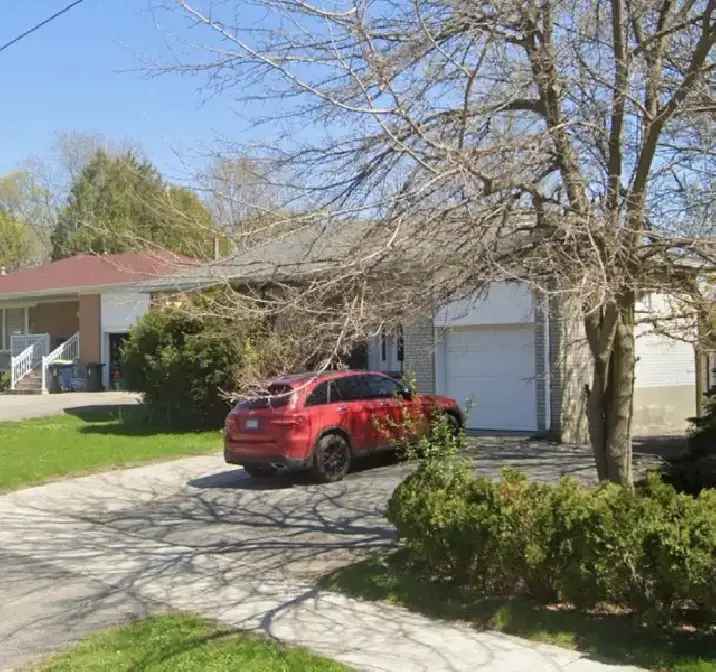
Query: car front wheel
x,y
331,459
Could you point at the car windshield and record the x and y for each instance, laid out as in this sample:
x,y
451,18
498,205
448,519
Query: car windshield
x,y
280,395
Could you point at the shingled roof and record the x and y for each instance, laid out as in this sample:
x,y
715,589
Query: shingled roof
x,y
295,254
86,271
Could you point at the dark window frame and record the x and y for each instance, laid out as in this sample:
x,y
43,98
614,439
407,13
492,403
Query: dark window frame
x,y
386,381
327,385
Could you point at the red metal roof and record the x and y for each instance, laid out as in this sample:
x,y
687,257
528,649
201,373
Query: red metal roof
x,y
86,270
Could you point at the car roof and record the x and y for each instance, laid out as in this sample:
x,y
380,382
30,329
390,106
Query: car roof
x,y
300,378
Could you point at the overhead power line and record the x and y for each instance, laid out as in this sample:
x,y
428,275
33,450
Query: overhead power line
x,y
29,31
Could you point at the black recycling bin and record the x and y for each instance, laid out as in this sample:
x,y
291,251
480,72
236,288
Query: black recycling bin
x,y
59,377
94,377
53,379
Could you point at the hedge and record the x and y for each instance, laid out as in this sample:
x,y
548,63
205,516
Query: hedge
x,y
651,551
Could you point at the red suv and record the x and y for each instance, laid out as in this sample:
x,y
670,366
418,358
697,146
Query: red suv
x,y
322,421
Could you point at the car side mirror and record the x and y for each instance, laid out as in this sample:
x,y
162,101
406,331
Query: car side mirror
x,y
406,392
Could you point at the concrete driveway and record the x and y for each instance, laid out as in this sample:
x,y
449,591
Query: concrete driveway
x,y
195,534
24,406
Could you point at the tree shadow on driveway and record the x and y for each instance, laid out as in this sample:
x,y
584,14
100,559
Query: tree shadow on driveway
x,y
245,552
238,479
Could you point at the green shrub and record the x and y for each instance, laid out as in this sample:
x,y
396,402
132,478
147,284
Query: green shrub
x,y
652,551
702,440
183,364
696,470
4,381
429,507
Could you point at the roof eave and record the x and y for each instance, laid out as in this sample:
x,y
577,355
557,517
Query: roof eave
x,y
59,291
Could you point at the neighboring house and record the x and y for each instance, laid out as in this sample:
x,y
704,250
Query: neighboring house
x,y
514,362
77,309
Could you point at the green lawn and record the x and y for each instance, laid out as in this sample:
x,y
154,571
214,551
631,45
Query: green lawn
x,y
181,643
611,638
33,451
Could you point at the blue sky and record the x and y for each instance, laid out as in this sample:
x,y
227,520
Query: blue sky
x,y
76,74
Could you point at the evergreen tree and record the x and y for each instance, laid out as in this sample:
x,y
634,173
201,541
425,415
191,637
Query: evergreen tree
x,y
119,203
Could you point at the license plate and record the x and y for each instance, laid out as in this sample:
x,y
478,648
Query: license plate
x,y
252,423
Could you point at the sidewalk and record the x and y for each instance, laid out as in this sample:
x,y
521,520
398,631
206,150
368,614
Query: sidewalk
x,y
24,406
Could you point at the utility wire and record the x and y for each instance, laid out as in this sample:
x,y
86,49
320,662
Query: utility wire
x,y
64,10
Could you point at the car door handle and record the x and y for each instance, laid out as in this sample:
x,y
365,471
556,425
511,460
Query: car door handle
x,y
342,409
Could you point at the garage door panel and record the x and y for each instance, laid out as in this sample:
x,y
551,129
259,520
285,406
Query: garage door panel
x,y
492,370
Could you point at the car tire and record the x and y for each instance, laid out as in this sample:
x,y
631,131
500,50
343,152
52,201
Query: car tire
x,y
259,470
454,423
331,458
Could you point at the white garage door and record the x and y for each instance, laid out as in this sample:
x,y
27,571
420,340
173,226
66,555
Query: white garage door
x,y
494,367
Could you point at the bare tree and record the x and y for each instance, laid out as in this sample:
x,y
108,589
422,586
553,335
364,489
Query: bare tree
x,y
24,198
534,140
242,194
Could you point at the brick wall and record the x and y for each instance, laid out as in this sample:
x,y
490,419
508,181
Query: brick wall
x,y
419,349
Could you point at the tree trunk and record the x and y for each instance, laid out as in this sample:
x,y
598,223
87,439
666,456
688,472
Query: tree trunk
x,y
610,403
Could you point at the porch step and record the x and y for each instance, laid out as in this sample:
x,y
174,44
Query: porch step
x,y
30,384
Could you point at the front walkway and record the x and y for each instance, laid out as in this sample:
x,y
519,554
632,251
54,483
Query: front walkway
x,y
197,535
24,406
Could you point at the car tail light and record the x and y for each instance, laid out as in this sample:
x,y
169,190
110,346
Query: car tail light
x,y
231,424
290,421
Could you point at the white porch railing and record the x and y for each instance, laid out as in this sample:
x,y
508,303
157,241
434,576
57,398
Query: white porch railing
x,y
20,342
67,351
26,353
21,365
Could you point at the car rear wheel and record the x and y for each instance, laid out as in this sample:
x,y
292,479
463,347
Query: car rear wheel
x,y
259,470
331,459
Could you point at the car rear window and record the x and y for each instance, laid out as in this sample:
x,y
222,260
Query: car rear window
x,y
280,395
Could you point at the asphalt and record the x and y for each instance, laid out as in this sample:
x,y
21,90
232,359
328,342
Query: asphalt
x,y
197,535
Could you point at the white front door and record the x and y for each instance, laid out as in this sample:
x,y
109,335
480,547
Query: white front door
x,y
491,371
385,352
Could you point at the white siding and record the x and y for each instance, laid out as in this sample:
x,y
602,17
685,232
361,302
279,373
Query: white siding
x,y
119,312
661,361
665,384
502,303
664,362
